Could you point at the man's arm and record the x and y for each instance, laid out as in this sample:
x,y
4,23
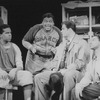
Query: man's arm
x,y
18,57
83,55
58,56
86,80
18,62
28,39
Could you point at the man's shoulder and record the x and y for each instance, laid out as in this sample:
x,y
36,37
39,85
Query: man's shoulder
x,y
80,39
56,29
14,45
37,26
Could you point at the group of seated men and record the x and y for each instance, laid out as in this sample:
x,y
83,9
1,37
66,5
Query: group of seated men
x,y
58,61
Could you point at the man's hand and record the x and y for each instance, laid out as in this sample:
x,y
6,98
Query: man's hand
x,y
12,73
3,74
39,48
33,49
54,50
78,91
62,65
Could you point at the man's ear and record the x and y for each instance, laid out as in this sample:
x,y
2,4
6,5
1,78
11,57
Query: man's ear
x,y
53,23
70,29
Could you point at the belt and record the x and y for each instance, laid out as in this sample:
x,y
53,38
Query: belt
x,y
44,56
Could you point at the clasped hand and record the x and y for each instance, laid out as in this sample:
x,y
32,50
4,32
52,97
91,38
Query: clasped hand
x,y
35,47
12,74
3,74
78,91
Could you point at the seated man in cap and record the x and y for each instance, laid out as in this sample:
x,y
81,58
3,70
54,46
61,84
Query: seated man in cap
x,y
55,84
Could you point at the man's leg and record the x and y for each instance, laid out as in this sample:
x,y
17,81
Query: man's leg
x,y
40,80
25,79
3,83
90,92
27,92
70,79
2,92
73,96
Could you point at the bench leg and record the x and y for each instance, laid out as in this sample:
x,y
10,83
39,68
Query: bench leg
x,y
8,95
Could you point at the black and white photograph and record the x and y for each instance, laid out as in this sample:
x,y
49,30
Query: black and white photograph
x,y
49,50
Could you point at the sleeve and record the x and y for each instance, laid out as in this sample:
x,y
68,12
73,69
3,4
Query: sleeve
x,y
26,44
58,56
18,58
87,79
83,55
60,35
29,37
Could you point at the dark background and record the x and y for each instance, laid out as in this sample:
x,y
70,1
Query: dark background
x,y
23,14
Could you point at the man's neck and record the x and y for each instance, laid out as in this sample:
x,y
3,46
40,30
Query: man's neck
x,y
48,31
4,43
71,36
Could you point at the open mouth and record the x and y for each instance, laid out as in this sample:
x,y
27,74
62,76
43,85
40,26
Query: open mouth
x,y
47,28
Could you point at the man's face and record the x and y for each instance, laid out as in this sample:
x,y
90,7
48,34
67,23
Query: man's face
x,y
64,31
48,23
6,35
94,42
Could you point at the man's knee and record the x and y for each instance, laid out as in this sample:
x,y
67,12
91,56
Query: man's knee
x,y
24,78
37,77
73,95
69,75
73,92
